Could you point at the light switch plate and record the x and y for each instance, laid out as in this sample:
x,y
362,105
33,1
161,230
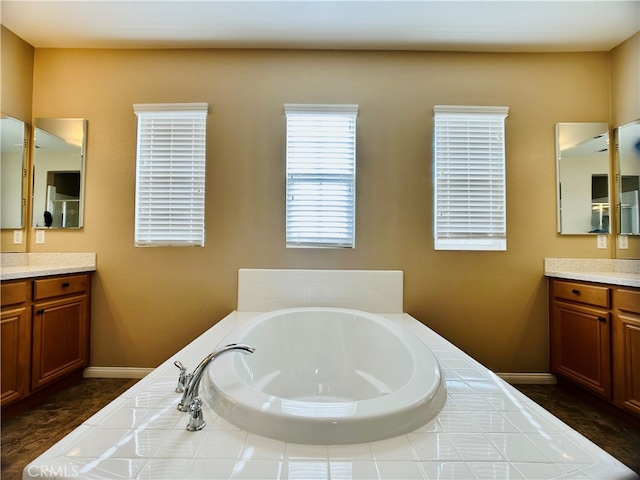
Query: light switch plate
x,y
623,242
39,236
17,237
602,241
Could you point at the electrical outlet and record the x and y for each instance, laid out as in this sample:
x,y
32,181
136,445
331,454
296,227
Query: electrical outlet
x,y
17,237
623,242
602,241
40,236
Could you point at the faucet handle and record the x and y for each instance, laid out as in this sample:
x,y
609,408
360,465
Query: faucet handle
x,y
183,378
196,420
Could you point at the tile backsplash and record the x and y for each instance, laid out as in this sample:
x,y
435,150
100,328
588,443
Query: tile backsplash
x,y
46,259
592,265
263,290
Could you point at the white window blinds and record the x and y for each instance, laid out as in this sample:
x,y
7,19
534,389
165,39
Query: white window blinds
x,y
321,174
470,180
170,174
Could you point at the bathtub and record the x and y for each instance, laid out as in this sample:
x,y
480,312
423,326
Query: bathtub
x,y
486,429
325,376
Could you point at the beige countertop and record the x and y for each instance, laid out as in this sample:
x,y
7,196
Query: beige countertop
x,y
15,266
609,271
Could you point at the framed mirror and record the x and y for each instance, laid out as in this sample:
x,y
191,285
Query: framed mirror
x,y
582,173
58,172
627,139
12,165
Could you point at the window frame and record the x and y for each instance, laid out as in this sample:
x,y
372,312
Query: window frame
x,y
329,184
170,174
461,223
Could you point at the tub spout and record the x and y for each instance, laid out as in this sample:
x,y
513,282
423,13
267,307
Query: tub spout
x,y
191,383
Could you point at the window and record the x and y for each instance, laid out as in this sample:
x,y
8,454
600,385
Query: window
x,y
170,174
470,181
321,174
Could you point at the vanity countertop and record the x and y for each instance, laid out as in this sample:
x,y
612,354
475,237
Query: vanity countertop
x,y
609,271
15,266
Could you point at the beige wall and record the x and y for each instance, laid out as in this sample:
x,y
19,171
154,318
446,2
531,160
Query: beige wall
x,y
16,90
625,103
625,82
149,302
17,76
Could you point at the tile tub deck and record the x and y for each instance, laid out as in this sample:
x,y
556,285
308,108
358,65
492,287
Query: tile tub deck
x,y
487,429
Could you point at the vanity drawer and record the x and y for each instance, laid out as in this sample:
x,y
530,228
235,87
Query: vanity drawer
x,y
628,300
583,293
14,293
57,286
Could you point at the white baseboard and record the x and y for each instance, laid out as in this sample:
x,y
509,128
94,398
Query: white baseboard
x,y
529,378
116,372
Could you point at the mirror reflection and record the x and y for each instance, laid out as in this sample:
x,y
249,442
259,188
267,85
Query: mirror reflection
x,y
12,165
582,167
58,169
628,162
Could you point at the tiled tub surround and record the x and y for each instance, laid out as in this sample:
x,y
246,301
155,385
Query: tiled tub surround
x,y
375,291
486,429
28,265
610,271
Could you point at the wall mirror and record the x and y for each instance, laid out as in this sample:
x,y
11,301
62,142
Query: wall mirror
x,y
628,177
58,172
582,173
12,173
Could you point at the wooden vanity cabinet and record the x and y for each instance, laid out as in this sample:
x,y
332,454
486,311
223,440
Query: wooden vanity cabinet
x,y
60,327
45,333
595,339
580,328
626,348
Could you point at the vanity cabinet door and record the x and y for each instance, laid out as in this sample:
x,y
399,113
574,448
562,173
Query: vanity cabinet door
x,y
60,338
626,349
15,334
580,346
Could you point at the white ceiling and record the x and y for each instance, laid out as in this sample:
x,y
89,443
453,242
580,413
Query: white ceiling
x,y
481,25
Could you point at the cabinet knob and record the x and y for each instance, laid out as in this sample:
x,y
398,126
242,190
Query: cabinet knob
x,y
602,319
40,312
575,291
65,284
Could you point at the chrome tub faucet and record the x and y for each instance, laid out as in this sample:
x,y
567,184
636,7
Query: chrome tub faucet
x,y
189,383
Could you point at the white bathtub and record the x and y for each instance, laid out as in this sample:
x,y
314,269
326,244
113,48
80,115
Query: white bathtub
x,y
487,429
326,376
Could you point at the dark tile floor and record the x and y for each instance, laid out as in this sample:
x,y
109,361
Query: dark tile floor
x,y
618,435
29,434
